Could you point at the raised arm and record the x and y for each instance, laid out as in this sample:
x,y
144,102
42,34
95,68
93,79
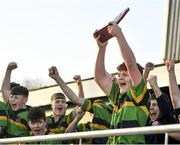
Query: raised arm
x,y
53,73
173,86
175,135
148,67
78,81
126,53
162,100
74,123
102,77
152,80
6,88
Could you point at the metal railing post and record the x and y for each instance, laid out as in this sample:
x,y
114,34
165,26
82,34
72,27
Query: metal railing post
x,y
80,141
166,138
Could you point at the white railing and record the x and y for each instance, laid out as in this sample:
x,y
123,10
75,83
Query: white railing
x,y
103,133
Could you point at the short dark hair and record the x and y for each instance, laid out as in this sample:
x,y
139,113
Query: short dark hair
x,y
123,67
57,96
20,90
36,113
13,84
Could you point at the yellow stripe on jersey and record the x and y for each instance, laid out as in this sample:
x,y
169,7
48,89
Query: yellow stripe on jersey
x,y
17,124
97,105
141,96
58,129
4,118
144,108
100,127
89,107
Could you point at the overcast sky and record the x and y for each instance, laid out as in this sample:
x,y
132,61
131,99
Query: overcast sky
x,y
40,33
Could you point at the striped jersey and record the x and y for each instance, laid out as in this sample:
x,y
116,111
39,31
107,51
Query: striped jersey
x,y
101,116
17,122
85,127
61,125
129,110
3,118
48,132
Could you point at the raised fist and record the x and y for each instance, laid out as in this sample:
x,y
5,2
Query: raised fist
x,y
152,80
77,79
12,65
53,72
169,64
114,29
149,66
79,112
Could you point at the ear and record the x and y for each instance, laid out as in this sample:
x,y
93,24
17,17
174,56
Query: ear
x,y
66,105
25,100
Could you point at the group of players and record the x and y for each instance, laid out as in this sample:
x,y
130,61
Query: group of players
x,y
130,104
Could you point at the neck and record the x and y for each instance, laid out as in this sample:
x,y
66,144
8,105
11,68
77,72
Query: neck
x,y
23,107
56,117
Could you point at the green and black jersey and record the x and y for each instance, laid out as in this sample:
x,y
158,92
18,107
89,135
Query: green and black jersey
x,y
48,132
61,125
101,119
3,119
85,127
129,110
3,114
17,123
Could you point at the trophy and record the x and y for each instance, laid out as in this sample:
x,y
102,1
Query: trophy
x,y
104,35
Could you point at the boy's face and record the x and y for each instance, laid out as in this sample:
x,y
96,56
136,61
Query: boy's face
x,y
17,102
38,127
154,110
58,107
123,81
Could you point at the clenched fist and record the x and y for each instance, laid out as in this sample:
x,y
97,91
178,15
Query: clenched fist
x,y
12,66
53,72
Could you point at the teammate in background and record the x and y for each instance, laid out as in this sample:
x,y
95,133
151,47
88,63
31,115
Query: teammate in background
x,y
101,111
59,121
160,113
173,87
17,111
38,125
5,90
129,97
15,99
174,92
148,67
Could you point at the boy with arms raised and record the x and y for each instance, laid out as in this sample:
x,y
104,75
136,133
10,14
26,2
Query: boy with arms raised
x,y
97,107
59,121
15,105
129,97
